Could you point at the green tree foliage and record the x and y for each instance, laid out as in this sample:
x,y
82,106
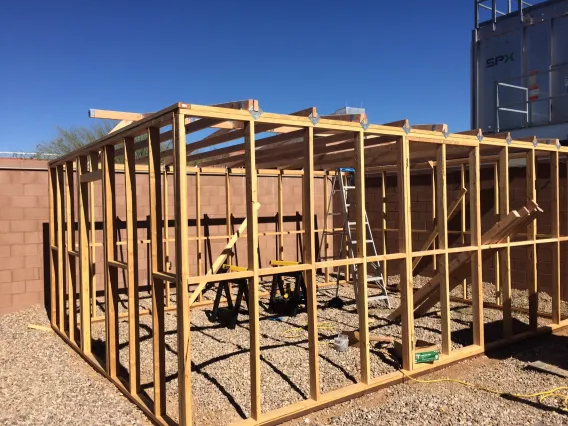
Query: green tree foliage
x,y
68,140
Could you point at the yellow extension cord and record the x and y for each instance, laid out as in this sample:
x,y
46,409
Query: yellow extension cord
x,y
551,393
295,332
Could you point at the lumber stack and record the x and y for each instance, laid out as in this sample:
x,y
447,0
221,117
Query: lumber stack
x,y
459,268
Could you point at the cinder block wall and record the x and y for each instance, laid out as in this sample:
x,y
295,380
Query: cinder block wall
x,y
24,216
421,200
24,212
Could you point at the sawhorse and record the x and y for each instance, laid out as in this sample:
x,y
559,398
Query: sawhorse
x,y
289,300
228,316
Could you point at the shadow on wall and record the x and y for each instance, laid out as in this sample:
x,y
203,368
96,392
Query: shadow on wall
x,y
210,254
46,268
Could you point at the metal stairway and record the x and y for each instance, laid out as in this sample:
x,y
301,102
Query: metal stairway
x,y
343,182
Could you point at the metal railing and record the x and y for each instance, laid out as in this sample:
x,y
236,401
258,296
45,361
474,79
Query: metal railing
x,y
506,108
491,5
553,112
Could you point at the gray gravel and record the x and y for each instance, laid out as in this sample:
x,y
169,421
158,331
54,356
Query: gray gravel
x,y
451,403
43,381
220,361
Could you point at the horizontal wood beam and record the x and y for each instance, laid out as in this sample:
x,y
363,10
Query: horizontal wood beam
x,y
117,264
452,210
116,115
222,257
431,127
293,154
91,176
220,156
164,276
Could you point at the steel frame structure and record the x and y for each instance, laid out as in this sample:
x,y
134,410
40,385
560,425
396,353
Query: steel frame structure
x,y
305,145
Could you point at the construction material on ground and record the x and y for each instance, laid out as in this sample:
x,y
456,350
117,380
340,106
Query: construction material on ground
x,y
341,343
424,352
40,327
548,368
429,295
354,338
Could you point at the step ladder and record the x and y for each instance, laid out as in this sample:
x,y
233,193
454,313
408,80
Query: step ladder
x,y
343,182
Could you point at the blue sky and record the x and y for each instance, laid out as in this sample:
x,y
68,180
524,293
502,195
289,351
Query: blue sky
x,y
399,59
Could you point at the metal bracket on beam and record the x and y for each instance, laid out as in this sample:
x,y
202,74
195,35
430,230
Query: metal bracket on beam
x,y
446,133
407,127
364,124
508,139
479,137
554,142
315,120
255,114
535,142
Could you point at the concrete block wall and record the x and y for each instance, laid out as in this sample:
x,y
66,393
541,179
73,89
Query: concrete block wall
x,y
421,202
24,213
24,216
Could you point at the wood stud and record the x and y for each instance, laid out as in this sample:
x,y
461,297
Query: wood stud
x,y
110,273
61,275
132,267
442,219
69,248
476,262
252,249
182,272
157,266
555,210
361,231
84,265
405,246
505,252
532,271
308,213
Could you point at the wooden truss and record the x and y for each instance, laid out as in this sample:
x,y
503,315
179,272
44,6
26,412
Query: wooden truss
x,y
247,141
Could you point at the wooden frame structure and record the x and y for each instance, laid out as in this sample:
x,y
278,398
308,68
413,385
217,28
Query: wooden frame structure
x,y
302,144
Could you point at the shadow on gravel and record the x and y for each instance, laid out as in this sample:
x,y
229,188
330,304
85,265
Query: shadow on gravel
x,y
550,349
493,331
534,404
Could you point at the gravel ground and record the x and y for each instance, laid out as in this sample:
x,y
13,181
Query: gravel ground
x,y
220,363
451,403
44,382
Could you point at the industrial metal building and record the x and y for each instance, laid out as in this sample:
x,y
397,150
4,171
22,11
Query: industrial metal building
x,y
520,68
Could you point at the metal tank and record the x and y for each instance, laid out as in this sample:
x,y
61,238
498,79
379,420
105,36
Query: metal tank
x,y
520,68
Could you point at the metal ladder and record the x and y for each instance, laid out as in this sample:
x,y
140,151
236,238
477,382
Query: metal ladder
x,y
343,182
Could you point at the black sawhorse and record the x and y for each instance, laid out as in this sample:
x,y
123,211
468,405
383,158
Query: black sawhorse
x,y
289,300
228,315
